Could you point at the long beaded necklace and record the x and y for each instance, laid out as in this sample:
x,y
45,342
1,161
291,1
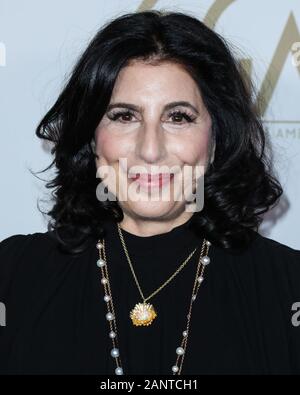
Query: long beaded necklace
x,y
111,317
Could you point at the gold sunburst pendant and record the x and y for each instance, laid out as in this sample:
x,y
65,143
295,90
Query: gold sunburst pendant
x,y
143,314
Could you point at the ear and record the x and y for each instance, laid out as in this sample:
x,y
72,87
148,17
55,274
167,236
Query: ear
x,y
93,148
212,150
93,145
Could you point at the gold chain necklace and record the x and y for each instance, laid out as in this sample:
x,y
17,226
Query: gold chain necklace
x,y
111,316
144,313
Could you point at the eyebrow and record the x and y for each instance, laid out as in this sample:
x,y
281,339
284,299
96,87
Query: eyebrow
x,y
166,107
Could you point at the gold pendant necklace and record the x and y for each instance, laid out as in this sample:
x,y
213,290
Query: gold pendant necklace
x,y
144,313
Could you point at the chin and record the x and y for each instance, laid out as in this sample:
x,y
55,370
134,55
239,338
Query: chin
x,y
151,209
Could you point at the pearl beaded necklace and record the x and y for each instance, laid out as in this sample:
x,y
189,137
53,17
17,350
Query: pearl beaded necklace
x,y
204,260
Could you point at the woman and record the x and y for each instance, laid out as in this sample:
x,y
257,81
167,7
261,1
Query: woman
x,y
151,285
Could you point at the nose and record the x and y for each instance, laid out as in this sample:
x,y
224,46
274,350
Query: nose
x,y
150,145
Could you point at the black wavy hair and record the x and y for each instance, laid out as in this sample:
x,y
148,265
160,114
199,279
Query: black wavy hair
x,y
239,185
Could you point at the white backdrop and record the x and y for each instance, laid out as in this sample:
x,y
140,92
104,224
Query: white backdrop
x,y
41,40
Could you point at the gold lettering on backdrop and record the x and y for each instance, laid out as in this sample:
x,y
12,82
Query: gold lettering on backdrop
x,y
288,134
215,12
147,5
289,36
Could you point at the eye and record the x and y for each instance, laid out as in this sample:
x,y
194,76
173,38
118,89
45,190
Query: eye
x,y
179,115
120,116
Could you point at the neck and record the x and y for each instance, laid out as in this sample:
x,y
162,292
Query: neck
x,y
149,227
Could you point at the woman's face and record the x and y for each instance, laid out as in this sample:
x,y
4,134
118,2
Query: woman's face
x,y
145,141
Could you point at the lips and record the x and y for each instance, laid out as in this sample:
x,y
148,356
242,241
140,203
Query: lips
x,y
147,179
150,177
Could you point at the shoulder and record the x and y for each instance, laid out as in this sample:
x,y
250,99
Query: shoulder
x,y
27,258
25,239
267,266
268,250
282,261
275,253
16,246
273,245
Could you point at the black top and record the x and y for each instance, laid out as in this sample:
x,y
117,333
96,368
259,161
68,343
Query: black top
x,y
241,319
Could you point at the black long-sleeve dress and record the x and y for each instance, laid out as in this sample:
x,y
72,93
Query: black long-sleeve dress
x,y
241,319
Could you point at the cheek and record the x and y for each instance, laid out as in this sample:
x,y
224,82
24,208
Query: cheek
x,y
108,147
109,152
194,149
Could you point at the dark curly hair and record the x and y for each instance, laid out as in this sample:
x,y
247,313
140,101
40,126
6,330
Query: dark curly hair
x,y
239,185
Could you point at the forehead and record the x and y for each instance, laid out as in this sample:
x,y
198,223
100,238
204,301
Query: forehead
x,y
166,81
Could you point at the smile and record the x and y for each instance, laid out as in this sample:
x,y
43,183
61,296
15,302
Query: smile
x,y
149,180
